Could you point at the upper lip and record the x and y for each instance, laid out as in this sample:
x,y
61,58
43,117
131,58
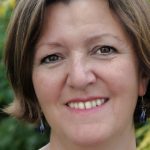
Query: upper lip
x,y
86,99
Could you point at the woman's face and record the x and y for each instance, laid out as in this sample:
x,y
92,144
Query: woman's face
x,y
85,73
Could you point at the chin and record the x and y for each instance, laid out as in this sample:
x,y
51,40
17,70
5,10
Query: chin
x,y
90,136
89,141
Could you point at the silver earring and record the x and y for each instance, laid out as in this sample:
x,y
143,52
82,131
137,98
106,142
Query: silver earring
x,y
143,117
42,127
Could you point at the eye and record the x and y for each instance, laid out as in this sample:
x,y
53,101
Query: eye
x,y
51,59
104,50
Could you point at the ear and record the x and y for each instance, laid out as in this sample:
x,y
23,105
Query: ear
x,y
143,83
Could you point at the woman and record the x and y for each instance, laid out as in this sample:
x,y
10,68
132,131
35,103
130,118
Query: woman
x,y
84,65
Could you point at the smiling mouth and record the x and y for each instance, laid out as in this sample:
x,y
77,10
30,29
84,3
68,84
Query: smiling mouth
x,y
87,104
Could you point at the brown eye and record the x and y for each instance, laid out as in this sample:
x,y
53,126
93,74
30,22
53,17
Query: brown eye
x,y
51,59
105,50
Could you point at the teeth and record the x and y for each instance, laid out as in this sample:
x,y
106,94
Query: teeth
x,y
94,103
98,102
71,105
81,105
86,105
76,105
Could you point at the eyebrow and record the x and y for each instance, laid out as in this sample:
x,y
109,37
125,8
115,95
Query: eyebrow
x,y
92,38
88,40
49,43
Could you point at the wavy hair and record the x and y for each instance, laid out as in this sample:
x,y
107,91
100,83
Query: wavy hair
x,y
23,32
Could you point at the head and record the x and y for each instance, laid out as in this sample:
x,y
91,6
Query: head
x,y
25,31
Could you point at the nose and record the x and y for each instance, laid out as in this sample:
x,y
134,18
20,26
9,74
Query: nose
x,y
80,75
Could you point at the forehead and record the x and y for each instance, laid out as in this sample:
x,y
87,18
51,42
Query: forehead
x,y
77,10
83,16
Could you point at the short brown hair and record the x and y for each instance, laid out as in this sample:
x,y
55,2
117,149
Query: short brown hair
x,y
24,30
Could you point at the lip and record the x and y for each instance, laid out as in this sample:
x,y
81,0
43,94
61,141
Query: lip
x,y
86,99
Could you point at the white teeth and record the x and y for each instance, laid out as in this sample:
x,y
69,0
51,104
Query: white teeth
x,y
93,103
76,105
98,102
86,105
81,105
71,105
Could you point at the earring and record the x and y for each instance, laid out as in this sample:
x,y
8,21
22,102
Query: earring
x,y
42,127
143,117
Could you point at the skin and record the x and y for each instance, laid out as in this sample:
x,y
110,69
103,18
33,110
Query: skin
x,y
76,32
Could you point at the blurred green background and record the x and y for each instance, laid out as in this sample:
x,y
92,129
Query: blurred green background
x,y
14,135
17,135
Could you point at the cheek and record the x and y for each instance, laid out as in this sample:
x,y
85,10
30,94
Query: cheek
x,y
47,86
121,75
121,80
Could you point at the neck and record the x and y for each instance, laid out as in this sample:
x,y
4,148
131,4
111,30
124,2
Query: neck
x,y
124,141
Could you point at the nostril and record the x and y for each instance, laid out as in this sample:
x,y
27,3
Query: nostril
x,y
81,80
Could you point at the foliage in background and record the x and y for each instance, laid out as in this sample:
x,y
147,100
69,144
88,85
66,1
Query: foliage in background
x,y
16,135
143,137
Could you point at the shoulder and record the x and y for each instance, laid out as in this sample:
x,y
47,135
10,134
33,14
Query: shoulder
x,y
46,147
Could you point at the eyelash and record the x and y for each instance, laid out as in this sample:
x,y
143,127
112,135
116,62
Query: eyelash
x,y
53,58
102,50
